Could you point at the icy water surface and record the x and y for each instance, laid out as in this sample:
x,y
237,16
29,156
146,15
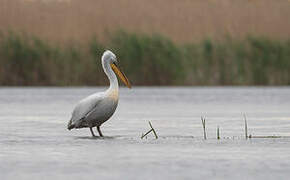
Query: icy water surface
x,y
35,144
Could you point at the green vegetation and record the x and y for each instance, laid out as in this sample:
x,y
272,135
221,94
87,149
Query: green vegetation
x,y
147,60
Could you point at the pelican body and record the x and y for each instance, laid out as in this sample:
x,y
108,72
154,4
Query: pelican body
x,y
97,108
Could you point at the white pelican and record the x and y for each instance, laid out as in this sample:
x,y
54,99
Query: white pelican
x,y
97,108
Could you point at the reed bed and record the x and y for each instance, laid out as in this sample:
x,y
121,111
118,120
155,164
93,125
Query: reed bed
x,y
146,59
200,42
183,21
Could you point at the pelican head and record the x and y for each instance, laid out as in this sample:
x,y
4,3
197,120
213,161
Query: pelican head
x,y
110,58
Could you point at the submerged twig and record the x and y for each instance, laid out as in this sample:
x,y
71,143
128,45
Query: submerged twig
x,y
203,125
268,136
146,134
151,130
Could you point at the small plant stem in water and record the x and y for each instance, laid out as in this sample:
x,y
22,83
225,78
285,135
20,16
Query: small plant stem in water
x,y
153,130
203,125
146,134
218,132
246,127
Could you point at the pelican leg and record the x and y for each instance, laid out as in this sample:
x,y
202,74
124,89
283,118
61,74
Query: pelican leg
x,y
99,130
91,129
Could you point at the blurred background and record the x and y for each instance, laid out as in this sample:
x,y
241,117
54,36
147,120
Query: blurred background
x,y
158,42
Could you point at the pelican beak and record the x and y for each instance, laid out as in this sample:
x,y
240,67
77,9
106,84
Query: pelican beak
x,y
120,74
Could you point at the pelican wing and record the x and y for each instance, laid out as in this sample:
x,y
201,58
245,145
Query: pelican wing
x,y
83,108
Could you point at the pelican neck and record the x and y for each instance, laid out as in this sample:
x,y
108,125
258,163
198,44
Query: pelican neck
x,y
111,75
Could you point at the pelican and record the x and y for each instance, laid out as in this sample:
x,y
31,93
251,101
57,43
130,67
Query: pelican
x,y
97,108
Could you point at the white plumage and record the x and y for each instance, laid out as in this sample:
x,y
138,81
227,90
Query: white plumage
x,y
97,108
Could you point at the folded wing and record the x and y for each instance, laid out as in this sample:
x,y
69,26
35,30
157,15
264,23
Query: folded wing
x,y
83,108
